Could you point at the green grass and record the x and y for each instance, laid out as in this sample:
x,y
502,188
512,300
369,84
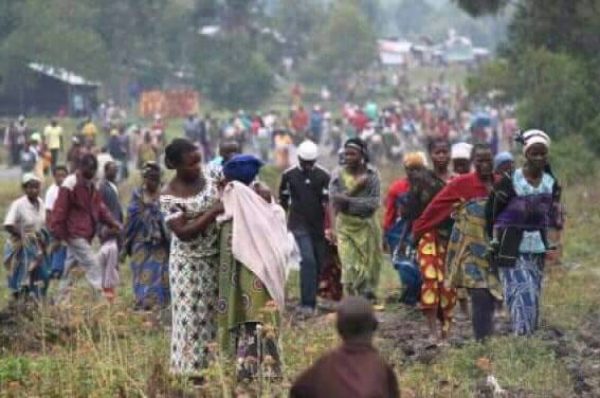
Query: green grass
x,y
106,351
91,349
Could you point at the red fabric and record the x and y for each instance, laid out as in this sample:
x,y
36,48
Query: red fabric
x,y
78,211
397,188
330,276
461,188
300,120
360,121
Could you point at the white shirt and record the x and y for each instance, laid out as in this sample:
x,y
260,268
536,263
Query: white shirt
x,y
51,196
24,216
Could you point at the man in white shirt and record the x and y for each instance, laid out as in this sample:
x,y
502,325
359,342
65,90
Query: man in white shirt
x,y
58,249
59,174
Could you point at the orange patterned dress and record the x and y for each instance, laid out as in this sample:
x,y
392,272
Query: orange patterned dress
x,y
435,293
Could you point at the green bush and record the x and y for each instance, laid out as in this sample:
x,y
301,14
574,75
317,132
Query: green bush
x,y
572,159
231,74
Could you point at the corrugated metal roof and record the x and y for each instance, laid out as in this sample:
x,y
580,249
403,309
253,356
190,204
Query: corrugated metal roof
x,y
62,75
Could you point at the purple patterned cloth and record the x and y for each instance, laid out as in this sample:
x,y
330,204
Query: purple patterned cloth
x,y
528,213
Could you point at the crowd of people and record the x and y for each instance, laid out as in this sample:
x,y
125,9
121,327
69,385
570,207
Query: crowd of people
x,y
215,245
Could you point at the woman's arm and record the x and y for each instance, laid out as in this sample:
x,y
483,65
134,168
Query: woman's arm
x,y
370,202
13,231
187,230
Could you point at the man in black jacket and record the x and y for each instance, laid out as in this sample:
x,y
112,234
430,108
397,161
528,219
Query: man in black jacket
x,y
304,194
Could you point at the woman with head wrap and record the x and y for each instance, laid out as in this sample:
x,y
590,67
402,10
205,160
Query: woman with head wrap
x,y
397,227
147,242
521,210
503,163
355,196
25,255
252,261
437,297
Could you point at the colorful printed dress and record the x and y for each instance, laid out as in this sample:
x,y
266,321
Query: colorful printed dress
x,y
359,233
243,304
147,245
434,226
468,250
529,211
193,274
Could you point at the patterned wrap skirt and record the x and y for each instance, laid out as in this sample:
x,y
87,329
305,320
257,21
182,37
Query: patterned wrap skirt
x,y
435,292
522,286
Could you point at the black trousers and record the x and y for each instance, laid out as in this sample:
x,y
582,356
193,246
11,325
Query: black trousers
x,y
482,313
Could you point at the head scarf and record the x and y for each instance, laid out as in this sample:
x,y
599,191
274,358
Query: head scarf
x,y
359,145
414,159
242,168
502,158
532,137
461,150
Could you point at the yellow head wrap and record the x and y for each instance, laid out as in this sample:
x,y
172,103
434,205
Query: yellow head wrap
x,y
415,159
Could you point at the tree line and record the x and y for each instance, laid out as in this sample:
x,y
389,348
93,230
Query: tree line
x,y
548,65
134,44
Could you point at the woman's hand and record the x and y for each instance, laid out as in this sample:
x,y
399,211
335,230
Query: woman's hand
x,y
217,208
339,199
331,236
361,182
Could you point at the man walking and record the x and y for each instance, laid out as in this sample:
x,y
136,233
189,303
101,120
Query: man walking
x,y
77,212
304,194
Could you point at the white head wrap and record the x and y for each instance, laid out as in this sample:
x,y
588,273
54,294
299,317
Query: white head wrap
x,y
461,150
532,137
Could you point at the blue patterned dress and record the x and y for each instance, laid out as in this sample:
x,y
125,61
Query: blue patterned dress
x,y
522,284
147,246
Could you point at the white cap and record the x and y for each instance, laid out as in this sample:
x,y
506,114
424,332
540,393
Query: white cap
x,y
308,151
28,177
461,150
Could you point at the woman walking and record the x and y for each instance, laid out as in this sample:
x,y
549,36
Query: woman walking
x,y
147,243
190,205
465,265
521,210
255,250
355,196
25,250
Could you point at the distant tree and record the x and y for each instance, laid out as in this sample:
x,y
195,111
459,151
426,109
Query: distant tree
x,y
411,16
46,33
345,46
298,21
550,65
231,74
481,7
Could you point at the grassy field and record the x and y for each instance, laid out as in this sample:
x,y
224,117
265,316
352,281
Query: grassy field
x,y
92,349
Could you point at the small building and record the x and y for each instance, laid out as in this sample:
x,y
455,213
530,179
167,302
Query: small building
x,y
394,52
52,90
458,49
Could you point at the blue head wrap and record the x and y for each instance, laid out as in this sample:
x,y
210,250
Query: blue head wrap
x,y
502,158
242,168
